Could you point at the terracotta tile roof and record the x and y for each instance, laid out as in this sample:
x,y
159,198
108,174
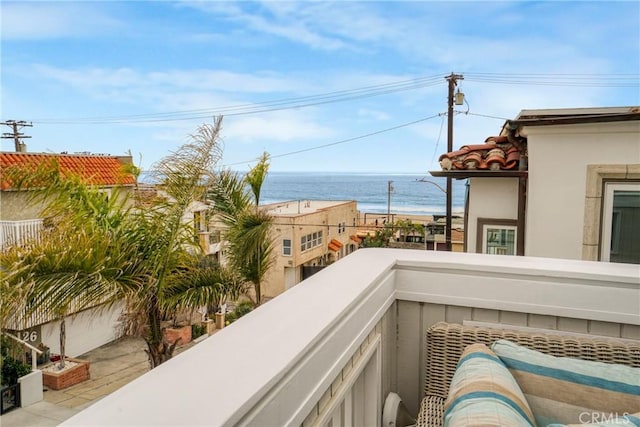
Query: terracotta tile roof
x,y
335,245
96,170
497,153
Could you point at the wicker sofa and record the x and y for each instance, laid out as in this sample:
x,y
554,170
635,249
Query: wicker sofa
x,y
445,343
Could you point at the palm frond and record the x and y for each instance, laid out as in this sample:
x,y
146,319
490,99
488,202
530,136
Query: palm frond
x,y
229,196
256,176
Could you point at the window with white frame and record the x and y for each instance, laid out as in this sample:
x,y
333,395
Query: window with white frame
x,y
286,247
497,236
621,222
310,241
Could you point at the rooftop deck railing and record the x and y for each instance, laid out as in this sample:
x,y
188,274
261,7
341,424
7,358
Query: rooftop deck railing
x,y
19,232
328,351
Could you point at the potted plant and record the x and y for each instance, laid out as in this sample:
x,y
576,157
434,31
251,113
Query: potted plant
x,y
178,333
12,369
65,371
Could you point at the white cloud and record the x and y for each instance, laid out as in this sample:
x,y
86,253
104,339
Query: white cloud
x,y
281,126
373,114
43,20
319,25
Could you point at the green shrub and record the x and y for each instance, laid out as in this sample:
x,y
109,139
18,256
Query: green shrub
x,y
197,330
240,310
12,369
10,348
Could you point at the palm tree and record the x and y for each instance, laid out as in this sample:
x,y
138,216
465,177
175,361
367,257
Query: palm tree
x,y
236,200
159,239
210,285
125,253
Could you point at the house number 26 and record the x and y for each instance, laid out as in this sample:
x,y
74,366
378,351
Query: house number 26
x,y
29,336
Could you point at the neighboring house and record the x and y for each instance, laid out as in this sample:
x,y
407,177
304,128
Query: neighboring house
x,y
21,220
436,237
196,216
308,235
433,239
561,183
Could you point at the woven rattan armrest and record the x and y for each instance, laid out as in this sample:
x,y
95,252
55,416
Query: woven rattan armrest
x,y
431,412
445,343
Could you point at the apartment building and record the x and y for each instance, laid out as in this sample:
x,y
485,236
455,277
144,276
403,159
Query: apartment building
x,y
308,236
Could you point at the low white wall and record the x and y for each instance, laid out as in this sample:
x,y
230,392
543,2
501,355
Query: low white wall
x,y
31,388
279,363
273,365
86,330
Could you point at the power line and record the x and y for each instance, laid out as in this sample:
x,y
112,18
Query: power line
x,y
344,141
257,108
435,149
531,79
578,80
481,115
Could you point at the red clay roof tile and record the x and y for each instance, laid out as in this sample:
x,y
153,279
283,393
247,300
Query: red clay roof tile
x,y
96,170
497,153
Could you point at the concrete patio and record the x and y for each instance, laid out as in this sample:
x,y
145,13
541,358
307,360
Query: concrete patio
x,y
112,366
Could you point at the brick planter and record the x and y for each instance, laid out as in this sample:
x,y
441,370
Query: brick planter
x,y
68,377
183,332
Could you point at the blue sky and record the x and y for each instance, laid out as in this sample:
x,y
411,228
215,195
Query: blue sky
x,y
108,77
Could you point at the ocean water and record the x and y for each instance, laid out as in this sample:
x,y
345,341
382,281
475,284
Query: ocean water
x,y
370,190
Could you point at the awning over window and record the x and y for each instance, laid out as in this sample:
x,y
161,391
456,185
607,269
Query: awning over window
x,y
335,245
356,239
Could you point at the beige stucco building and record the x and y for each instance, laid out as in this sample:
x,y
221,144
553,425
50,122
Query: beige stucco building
x,y
308,235
567,185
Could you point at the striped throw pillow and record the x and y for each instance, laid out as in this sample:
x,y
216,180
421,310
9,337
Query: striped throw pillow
x,y
565,390
484,393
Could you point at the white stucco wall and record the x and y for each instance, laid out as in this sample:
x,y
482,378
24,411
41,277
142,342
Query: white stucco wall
x,y
85,331
558,159
490,198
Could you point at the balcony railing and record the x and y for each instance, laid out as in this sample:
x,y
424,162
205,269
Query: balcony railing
x,y
19,232
329,350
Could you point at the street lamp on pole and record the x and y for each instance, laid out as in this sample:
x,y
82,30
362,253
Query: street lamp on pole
x,y
434,183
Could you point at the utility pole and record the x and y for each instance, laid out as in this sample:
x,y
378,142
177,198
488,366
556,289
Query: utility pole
x,y
452,79
16,135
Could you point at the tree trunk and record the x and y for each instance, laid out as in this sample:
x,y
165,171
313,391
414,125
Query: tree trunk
x,y
63,341
158,349
160,352
258,291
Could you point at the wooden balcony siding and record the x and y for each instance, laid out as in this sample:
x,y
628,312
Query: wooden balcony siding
x,y
19,232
